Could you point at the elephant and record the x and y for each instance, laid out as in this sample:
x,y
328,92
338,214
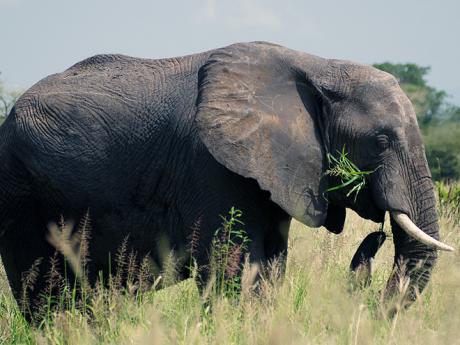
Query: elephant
x,y
150,147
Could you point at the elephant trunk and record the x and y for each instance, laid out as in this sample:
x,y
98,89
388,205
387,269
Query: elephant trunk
x,y
416,241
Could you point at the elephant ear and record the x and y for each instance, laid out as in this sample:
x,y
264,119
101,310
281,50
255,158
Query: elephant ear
x,y
257,115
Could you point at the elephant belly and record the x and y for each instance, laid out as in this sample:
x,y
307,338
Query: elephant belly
x,y
123,204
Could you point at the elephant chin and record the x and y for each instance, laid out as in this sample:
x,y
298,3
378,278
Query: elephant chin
x,y
365,205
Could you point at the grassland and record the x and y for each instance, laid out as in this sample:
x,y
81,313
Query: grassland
x,y
312,305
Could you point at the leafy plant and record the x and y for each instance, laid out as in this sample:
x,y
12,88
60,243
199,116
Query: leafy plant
x,y
229,245
348,173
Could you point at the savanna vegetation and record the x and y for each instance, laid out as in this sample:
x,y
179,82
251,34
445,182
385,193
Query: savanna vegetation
x,y
317,302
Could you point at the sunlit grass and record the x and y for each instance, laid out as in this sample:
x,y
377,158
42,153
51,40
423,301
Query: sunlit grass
x,y
312,305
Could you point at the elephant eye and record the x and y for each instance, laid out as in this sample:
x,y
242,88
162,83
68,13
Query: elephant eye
x,y
382,142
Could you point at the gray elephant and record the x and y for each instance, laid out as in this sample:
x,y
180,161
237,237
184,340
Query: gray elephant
x,y
151,146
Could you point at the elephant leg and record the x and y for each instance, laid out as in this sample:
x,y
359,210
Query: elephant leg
x,y
23,244
276,241
267,252
26,255
267,255
257,264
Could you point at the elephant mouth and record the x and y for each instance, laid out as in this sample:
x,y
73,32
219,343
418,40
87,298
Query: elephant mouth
x,y
366,207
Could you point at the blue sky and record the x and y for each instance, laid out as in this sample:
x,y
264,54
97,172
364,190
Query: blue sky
x,y
41,37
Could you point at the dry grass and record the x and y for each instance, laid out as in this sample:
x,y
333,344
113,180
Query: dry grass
x,y
313,305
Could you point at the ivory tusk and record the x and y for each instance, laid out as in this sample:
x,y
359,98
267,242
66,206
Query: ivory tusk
x,y
413,230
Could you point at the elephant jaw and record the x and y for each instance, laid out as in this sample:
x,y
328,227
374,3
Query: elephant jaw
x,y
415,232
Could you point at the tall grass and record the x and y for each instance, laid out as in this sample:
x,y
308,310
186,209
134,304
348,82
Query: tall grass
x,y
312,305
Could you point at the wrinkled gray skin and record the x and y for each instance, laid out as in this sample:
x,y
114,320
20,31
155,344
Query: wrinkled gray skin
x,y
152,146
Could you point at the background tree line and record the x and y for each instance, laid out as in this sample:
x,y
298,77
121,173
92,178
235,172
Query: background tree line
x,y
7,99
439,120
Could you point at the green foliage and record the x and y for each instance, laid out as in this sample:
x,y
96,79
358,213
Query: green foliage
x,y
442,146
452,114
428,102
349,174
229,246
7,100
408,73
449,200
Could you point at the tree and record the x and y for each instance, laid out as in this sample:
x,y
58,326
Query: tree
x,y
442,149
408,73
428,102
7,100
452,114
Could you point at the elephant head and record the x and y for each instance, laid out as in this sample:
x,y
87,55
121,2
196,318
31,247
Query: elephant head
x,y
272,114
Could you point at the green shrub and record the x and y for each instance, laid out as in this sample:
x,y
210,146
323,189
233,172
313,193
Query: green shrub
x,y
449,200
442,146
229,246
